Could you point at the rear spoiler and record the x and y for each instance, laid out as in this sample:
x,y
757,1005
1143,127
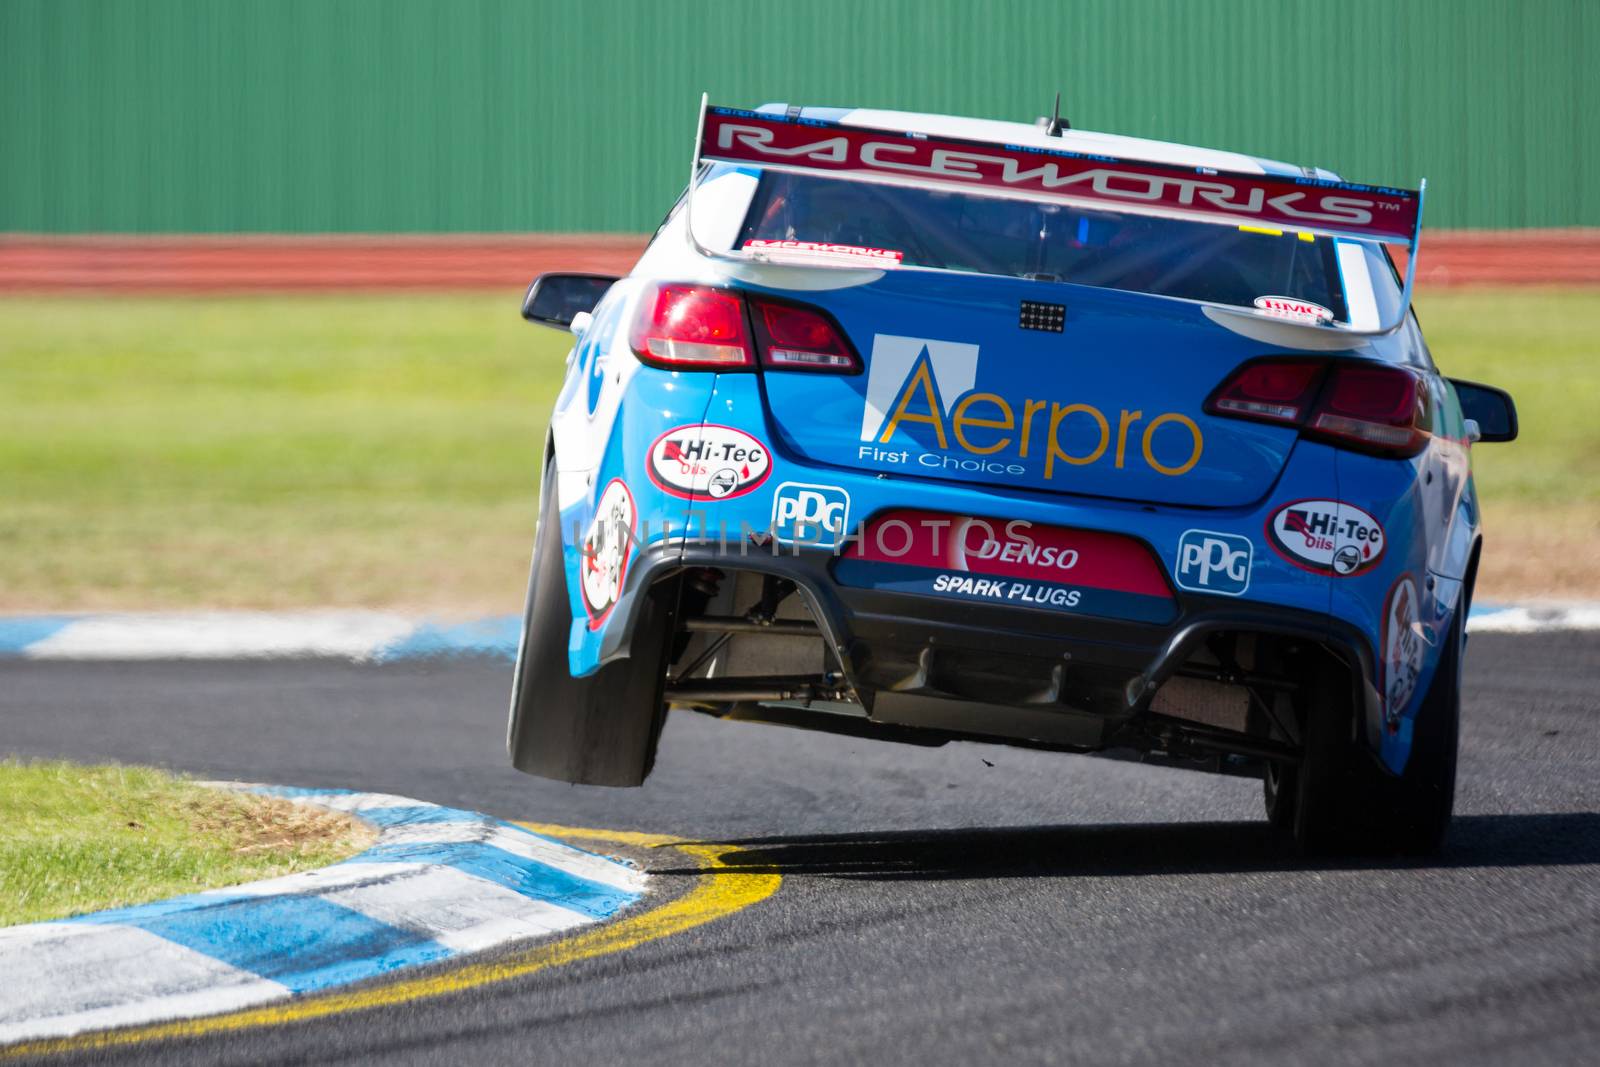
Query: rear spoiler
x,y
1199,194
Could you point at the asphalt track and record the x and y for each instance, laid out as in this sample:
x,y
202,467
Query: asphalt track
x,y
956,905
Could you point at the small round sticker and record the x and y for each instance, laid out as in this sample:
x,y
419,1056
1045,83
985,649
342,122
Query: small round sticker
x,y
1402,650
606,547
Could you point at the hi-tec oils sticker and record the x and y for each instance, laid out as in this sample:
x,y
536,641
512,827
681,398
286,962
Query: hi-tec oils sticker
x,y
1327,536
1287,307
1402,650
1012,564
717,462
606,547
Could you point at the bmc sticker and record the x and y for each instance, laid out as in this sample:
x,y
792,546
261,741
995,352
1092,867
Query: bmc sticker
x,y
604,562
1212,562
1287,307
810,514
711,461
1327,536
1402,650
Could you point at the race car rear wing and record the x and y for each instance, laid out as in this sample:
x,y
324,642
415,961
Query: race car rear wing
x,y
1026,172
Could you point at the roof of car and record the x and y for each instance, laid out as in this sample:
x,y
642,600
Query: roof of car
x,y
1071,140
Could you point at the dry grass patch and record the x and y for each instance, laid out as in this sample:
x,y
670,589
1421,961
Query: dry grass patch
x,y
82,838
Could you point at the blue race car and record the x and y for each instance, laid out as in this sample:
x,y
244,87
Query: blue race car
x,y
924,428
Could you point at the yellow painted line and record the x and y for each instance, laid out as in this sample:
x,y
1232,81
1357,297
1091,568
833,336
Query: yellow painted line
x,y
719,891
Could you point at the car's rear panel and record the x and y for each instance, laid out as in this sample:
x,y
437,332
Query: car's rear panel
x,y
1026,385
1116,605
1031,422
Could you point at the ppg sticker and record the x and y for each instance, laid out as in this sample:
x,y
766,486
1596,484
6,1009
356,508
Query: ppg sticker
x,y
1327,537
810,514
718,462
1213,562
604,563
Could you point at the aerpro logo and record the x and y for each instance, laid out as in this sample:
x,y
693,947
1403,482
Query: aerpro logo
x,y
923,410
937,371
1213,562
810,514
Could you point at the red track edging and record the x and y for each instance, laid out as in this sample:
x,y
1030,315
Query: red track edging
x,y
245,263
252,262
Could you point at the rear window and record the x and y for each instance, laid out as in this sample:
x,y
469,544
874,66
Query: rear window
x,y
1054,242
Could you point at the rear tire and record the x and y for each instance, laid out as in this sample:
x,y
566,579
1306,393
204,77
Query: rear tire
x,y
601,729
1339,801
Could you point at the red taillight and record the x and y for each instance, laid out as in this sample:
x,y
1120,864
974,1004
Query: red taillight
x,y
1372,407
700,327
1272,390
801,338
692,327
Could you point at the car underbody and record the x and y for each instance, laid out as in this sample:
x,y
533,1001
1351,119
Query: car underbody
x,y
772,640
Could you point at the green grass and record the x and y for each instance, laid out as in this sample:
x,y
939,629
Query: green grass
x,y
383,450
82,838
1541,493
1543,346
270,451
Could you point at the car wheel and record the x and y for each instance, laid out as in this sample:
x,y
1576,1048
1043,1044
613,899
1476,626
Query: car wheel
x,y
601,729
1344,803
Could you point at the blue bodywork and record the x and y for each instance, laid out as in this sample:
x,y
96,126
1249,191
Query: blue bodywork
x,y
1098,427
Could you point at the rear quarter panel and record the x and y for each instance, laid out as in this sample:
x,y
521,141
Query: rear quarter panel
x,y
610,408
1428,512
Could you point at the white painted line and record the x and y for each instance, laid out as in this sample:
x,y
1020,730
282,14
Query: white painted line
x,y
61,979
223,635
1536,618
527,846
351,874
457,910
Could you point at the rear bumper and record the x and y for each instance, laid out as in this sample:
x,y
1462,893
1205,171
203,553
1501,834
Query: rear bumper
x,y
978,670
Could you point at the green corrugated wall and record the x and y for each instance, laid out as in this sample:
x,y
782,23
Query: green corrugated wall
x,y
576,115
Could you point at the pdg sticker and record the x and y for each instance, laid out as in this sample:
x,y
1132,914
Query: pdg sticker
x,y
606,547
1327,536
718,462
1402,650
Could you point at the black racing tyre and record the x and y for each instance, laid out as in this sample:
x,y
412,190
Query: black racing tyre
x,y
1338,801
598,730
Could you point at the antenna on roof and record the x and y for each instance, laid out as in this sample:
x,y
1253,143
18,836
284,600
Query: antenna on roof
x,y
1056,124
